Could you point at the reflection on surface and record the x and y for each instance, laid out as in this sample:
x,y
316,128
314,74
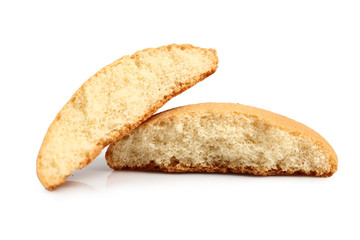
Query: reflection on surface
x,y
92,176
129,178
122,178
74,185
125,178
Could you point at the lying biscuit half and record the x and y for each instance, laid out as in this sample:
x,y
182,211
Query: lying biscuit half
x,y
116,100
223,137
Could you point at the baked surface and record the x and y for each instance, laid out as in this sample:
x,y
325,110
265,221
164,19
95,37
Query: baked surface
x,y
223,137
116,100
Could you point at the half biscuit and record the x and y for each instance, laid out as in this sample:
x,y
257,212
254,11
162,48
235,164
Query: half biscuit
x,y
223,137
116,100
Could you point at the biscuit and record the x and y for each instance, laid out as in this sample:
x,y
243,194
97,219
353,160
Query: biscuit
x,y
116,100
223,137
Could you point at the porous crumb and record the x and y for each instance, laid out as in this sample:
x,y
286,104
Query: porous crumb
x,y
219,139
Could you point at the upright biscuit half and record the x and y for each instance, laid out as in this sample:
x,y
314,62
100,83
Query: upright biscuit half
x,y
116,100
223,137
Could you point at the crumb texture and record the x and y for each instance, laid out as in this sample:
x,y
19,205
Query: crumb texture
x,y
223,138
114,101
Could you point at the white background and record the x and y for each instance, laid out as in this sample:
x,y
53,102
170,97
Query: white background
x,y
297,58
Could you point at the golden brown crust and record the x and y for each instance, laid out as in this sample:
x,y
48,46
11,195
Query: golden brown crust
x,y
271,118
54,183
220,169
